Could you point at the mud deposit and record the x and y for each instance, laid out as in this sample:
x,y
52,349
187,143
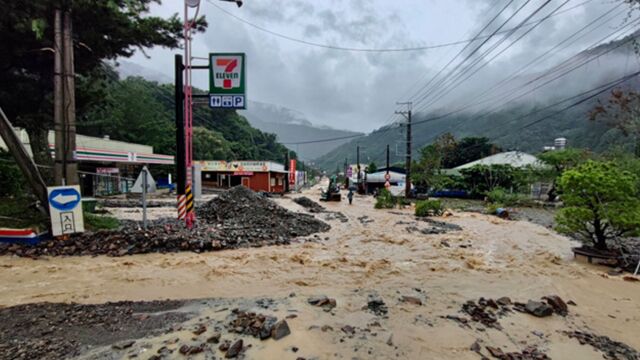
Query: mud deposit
x,y
365,289
237,218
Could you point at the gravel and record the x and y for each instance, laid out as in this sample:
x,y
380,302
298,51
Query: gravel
x,y
237,218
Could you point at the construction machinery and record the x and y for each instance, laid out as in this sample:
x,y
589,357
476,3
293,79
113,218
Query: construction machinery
x,y
333,191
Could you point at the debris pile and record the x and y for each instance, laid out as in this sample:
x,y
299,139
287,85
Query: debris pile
x,y
376,305
488,311
309,204
237,218
529,353
243,213
258,325
61,331
611,349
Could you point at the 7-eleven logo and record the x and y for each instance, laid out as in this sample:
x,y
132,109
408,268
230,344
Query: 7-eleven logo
x,y
227,72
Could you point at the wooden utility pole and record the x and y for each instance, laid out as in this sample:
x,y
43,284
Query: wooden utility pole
x,y
71,166
24,161
407,115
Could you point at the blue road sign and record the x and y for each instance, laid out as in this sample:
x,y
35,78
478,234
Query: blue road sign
x,y
227,101
64,199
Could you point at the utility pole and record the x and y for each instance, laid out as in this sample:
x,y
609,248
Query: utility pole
x,y
358,164
387,159
286,167
24,161
71,166
64,103
407,115
58,98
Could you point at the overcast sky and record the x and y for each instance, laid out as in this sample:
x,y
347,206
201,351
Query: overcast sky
x,y
356,90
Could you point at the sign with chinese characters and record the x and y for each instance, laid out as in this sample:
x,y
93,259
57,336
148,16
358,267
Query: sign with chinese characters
x,y
65,208
227,81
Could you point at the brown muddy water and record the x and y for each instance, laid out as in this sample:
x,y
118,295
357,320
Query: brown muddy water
x,y
382,256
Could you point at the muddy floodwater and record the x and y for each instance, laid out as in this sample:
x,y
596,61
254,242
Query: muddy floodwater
x,y
385,254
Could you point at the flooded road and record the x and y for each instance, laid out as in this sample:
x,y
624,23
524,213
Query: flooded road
x,y
384,254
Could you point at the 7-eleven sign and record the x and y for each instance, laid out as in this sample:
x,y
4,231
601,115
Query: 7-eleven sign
x,y
227,87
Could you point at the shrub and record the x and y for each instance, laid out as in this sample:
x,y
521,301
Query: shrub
x,y
506,198
385,200
601,203
429,208
97,222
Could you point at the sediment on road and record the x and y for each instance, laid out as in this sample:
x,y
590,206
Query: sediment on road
x,y
237,218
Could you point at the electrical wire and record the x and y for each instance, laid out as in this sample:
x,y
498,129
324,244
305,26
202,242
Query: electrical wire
x,y
370,50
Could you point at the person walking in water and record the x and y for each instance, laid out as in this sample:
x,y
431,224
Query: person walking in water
x,y
350,196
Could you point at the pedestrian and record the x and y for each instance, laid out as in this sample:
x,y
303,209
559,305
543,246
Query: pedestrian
x,y
350,196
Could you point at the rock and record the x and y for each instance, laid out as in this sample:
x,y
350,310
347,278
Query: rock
x,y
326,328
322,301
280,330
504,301
538,309
234,350
495,352
200,329
572,303
123,345
214,338
558,305
225,345
475,347
411,300
376,305
390,340
191,350
348,329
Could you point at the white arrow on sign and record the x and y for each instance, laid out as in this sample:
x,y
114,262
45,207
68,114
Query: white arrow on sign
x,y
65,199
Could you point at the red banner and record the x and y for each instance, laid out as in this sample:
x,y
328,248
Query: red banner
x,y
292,171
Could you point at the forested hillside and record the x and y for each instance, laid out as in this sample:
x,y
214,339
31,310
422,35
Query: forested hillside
x,y
556,102
141,111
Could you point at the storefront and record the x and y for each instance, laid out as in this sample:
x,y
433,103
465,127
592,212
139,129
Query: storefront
x,y
105,166
264,176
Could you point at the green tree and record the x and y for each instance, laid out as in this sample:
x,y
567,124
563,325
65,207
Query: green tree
x,y
600,203
371,168
102,30
471,149
210,145
481,179
557,162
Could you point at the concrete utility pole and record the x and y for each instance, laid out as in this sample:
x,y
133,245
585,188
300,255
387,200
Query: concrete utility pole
x,y
407,115
24,161
69,84
64,104
58,98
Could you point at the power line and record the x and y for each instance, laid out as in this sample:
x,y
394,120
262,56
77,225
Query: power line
x,y
426,86
457,82
454,75
370,50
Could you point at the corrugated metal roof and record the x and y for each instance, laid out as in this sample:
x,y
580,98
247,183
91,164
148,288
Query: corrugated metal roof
x,y
513,158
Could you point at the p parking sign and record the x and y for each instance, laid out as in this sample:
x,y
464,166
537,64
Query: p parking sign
x,y
227,81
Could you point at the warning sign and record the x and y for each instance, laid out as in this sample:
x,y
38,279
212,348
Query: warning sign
x,y
227,81
65,207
